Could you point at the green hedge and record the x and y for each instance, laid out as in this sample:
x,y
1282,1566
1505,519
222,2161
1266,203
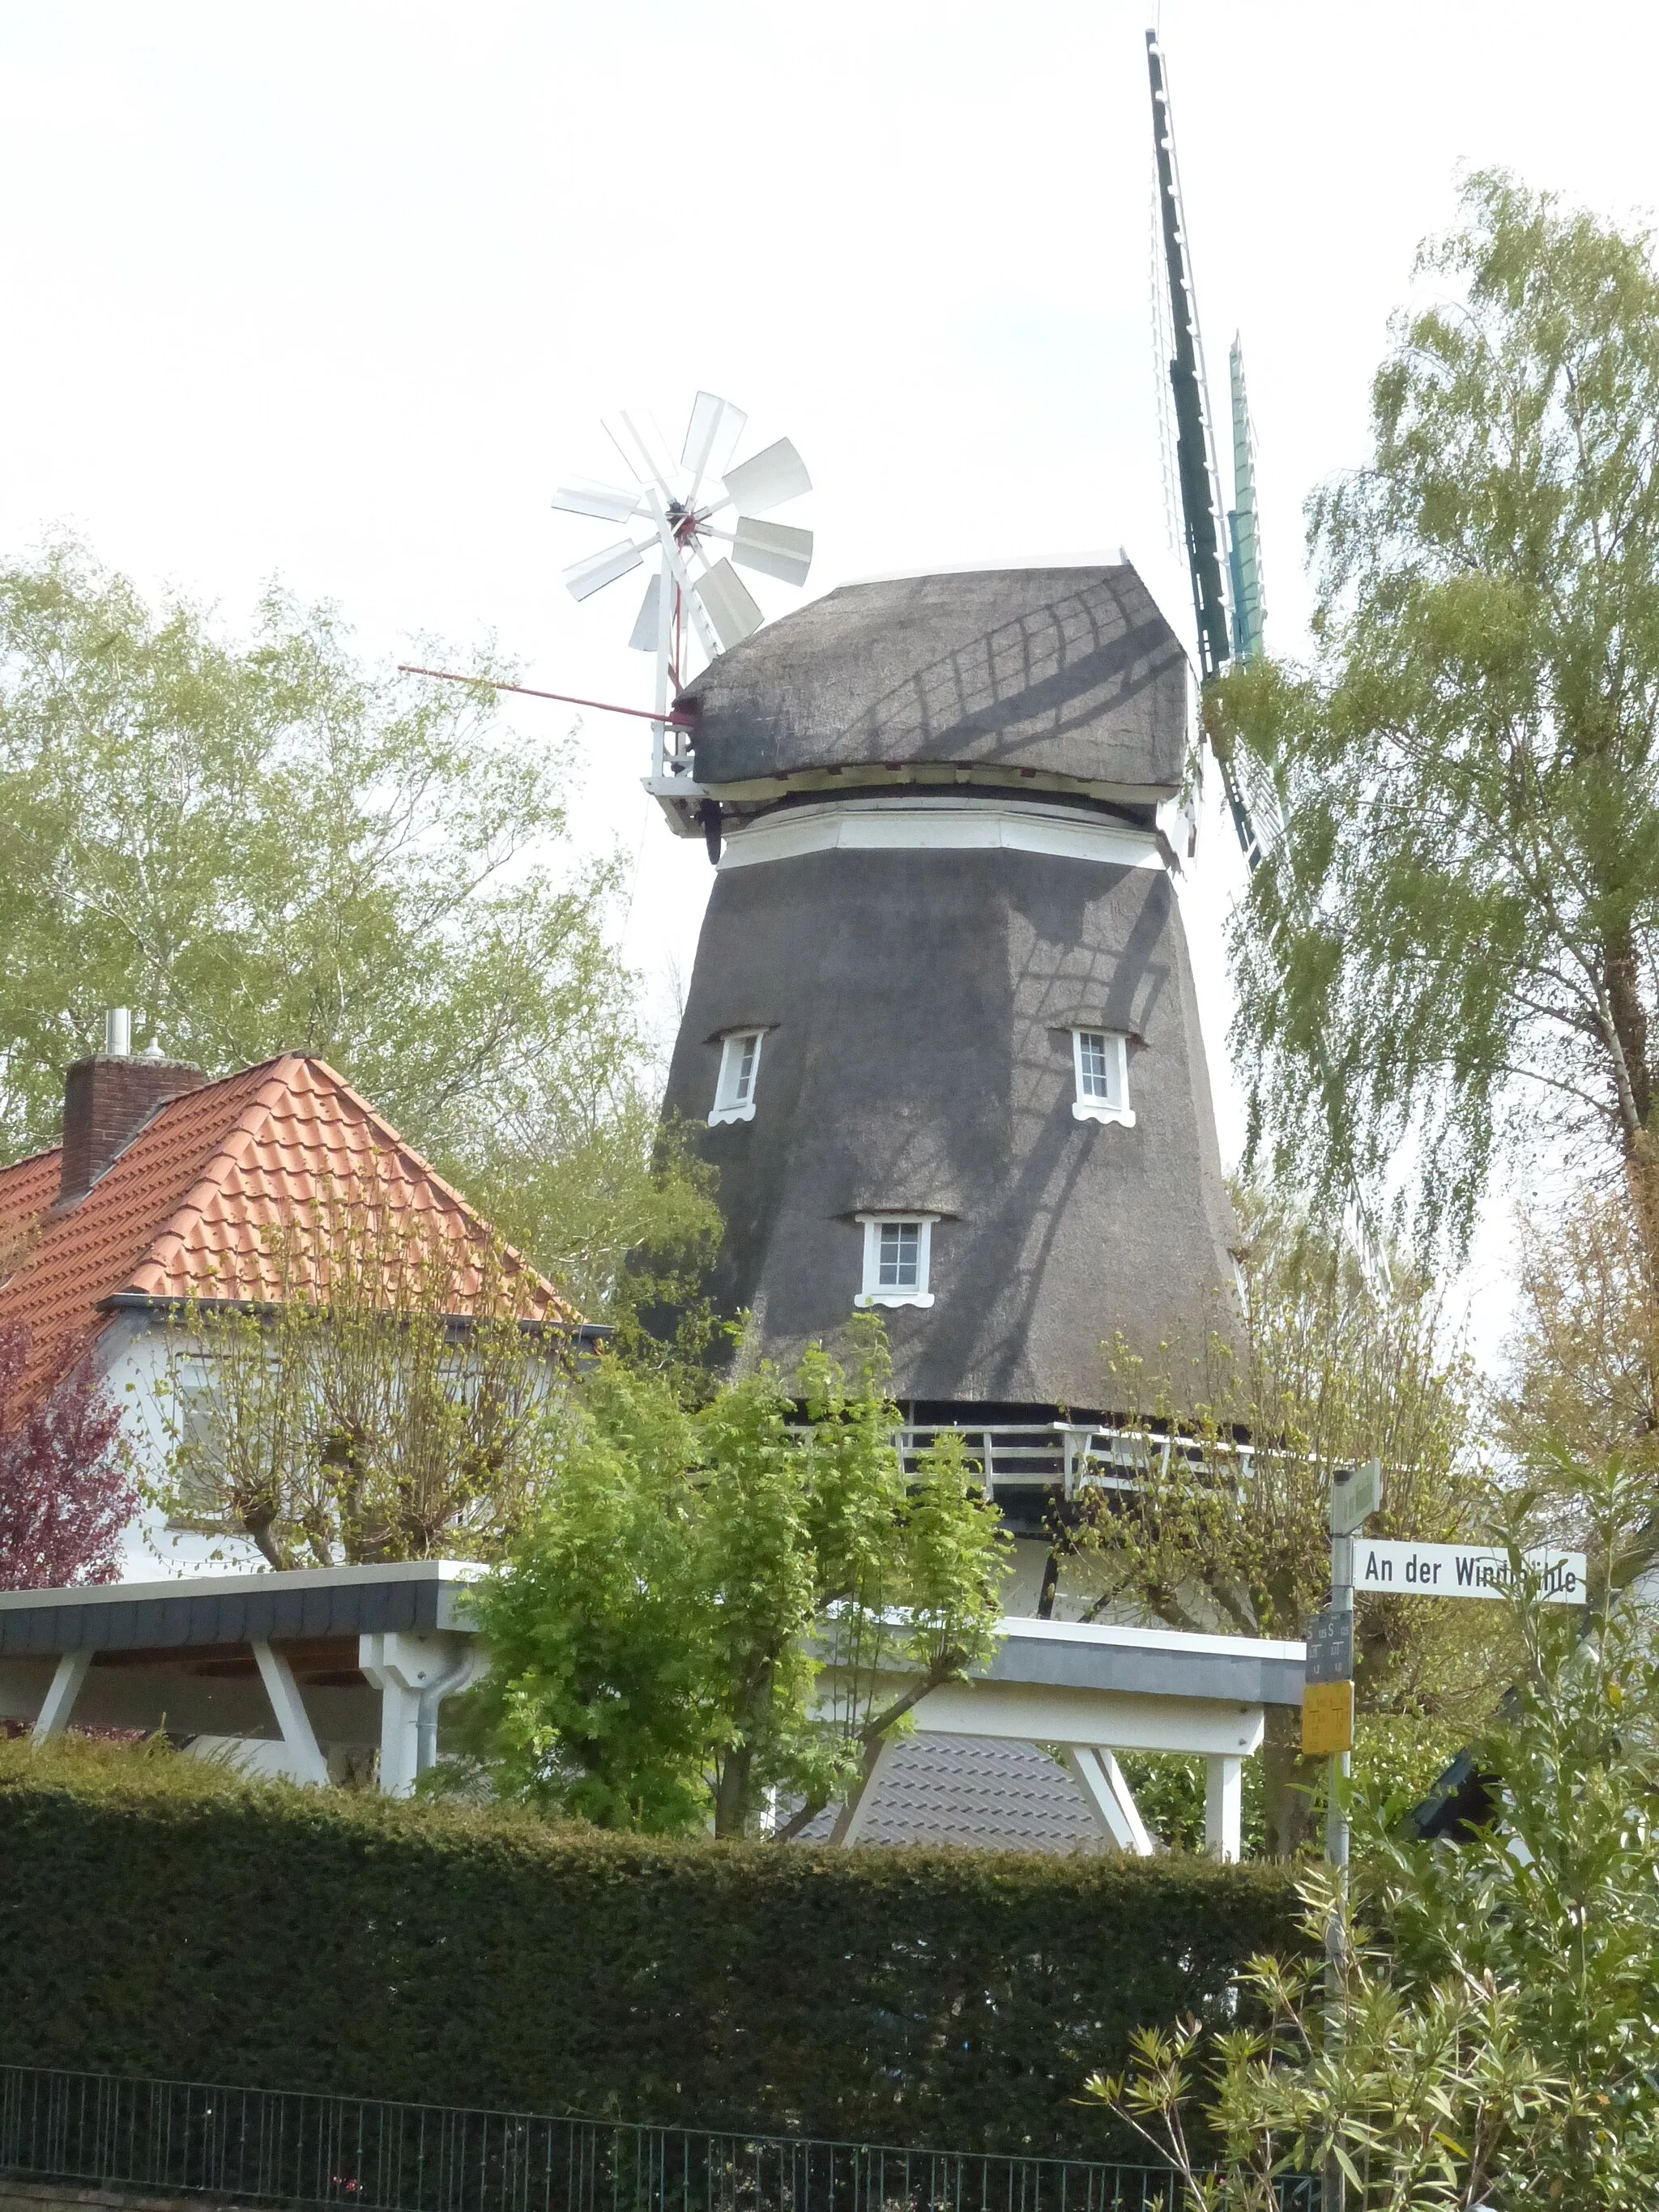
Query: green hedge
x,y
157,1916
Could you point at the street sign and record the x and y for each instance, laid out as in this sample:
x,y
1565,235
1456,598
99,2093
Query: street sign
x,y
1326,1719
1356,1494
1330,1647
1398,1570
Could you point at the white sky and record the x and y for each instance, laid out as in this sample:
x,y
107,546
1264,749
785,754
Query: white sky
x,y
337,292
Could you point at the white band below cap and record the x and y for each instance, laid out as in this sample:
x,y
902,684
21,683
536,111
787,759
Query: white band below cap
x,y
952,824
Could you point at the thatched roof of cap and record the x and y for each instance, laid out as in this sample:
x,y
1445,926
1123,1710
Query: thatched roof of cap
x,y
1068,672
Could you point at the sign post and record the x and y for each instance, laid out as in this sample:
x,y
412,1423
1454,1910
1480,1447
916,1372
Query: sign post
x,y
1388,1569
1328,1728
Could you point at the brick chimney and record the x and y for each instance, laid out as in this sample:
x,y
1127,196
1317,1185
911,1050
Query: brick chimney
x,y
106,1101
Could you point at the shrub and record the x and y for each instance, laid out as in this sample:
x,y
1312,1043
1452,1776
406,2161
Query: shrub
x,y
161,1917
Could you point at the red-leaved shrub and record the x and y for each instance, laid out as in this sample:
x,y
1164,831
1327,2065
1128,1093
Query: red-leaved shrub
x,y
66,1484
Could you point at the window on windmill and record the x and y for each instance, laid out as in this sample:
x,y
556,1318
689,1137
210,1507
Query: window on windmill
x,y
897,1255
1101,1062
734,1089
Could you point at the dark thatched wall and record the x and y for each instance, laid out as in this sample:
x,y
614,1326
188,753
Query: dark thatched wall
x,y
917,1005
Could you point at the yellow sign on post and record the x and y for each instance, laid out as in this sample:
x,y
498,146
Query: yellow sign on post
x,y
1326,1719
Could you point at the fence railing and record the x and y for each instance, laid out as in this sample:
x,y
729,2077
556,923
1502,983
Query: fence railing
x,y
1072,1456
291,2147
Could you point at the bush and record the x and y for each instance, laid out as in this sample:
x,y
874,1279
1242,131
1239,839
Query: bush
x,y
161,1917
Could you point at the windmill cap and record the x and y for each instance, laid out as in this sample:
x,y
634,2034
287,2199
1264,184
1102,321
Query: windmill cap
x,y
1070,675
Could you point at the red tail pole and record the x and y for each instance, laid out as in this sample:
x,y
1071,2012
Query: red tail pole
x,y
674,717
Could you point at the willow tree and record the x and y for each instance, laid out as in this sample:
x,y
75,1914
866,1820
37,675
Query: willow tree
x,y
1452,946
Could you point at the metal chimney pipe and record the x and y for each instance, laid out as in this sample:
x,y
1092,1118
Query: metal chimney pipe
x,y
118,1033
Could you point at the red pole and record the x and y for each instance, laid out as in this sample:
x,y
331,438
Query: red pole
x,y
676,719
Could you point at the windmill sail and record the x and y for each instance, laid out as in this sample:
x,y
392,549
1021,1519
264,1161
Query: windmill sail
x,y
1208,556
1245,549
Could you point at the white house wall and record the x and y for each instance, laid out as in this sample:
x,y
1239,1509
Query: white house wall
x,y
131,1361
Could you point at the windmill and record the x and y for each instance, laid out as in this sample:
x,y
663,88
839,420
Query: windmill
x,y
675,516
940,1038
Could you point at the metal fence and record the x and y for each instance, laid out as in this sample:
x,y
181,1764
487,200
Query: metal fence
x,y
288,2147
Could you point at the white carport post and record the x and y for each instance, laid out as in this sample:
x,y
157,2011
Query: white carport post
x,y
61,1694
415,1670
1223,1805
305,1761
1111,1800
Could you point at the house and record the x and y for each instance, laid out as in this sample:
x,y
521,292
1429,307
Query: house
x,y
168,1185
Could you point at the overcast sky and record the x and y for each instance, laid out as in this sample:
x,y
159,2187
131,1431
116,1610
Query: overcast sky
x,y
336,293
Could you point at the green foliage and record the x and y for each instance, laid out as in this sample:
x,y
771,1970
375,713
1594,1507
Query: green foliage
x,y
1332,1366
1584,1355
718,1605
264,846
1454,940
161,1917
1498,2036
601,1700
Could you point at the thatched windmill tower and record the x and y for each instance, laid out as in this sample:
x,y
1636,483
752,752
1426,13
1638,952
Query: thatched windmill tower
x,y
941,1034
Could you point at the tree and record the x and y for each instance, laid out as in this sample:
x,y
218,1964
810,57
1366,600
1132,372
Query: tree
x,y
265,846
66,1487
1453,944
1584,1358
396,1398
1496,2041
715,1608
1333,1367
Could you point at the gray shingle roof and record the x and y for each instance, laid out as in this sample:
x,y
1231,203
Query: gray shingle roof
x,y
975,1791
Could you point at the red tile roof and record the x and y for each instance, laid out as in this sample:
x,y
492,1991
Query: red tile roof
x,y
190,1203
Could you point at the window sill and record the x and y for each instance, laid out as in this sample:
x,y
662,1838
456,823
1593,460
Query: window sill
x,y
1094,1110
894,1299
730,1113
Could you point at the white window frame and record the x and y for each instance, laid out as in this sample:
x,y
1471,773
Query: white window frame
x,y
874,1293
1089,1106
732,1102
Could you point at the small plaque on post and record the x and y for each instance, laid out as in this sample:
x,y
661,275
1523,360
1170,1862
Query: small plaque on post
x,y
1326,1719
1330,1647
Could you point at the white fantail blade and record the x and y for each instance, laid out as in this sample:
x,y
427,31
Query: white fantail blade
x,y
583,496
767,480
724,599
710,437
584,578
641,444
773,548
644,637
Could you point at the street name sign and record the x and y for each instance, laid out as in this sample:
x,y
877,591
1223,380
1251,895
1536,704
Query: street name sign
x,y
1400,1570
1356,1494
